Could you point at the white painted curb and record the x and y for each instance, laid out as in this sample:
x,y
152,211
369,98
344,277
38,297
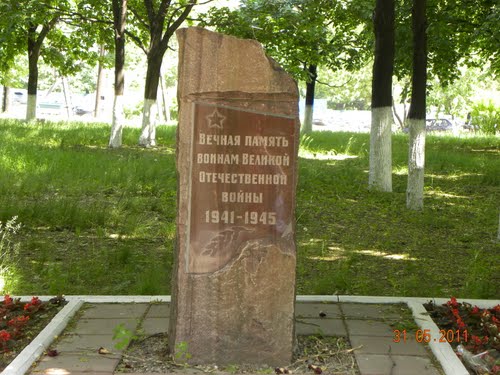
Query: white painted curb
x,y
31,353
442,351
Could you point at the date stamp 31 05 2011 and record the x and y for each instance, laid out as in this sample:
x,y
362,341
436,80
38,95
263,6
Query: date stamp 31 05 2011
x,y
424,335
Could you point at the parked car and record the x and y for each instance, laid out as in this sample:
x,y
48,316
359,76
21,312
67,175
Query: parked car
x,y
20,97
441,124
433,124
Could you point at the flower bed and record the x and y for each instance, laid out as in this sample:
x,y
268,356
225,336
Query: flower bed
x,y
20,322
474,333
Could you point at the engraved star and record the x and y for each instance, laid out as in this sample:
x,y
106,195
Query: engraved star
x,y
216,120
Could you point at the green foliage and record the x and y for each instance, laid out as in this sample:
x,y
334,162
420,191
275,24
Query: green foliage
x,y
298,33
182,354
486,117
457,98
474,32
346,89
62,47
123,336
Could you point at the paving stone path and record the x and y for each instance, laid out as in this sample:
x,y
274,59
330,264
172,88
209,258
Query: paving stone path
x,y
369,328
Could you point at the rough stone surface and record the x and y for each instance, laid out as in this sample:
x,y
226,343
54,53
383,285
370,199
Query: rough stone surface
x,y
233,286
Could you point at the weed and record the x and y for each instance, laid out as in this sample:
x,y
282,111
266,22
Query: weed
x,y
123,336
182,354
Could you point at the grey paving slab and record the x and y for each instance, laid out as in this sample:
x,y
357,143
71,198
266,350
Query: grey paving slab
x,y
82,363
114,310
103,326
327,327
313,310
386,345
151,326
161,310
374,311
373,364
369,328
74,343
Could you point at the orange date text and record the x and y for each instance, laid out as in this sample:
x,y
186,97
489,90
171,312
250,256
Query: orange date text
x,y
425,336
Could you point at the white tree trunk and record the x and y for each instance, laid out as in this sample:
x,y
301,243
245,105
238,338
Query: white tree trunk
x,y
31,108
308,119
416,163
380,173
115,140
148,132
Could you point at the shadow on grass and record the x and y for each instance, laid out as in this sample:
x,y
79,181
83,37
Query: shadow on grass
x,y
100,221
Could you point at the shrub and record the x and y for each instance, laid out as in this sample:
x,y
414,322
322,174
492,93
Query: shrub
x,y
486,117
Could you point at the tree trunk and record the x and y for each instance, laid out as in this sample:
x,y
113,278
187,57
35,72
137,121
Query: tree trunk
x,y
380,173
158,44
165,108
34,46
33,56
309,105
148,132
98,90
119,17
416,115
5,99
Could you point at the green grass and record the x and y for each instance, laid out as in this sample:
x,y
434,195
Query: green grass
x,y
101,221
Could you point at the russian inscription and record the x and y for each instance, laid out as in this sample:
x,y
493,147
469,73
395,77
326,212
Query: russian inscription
x,y
241,183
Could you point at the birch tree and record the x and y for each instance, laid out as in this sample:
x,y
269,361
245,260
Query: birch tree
x,y
380,173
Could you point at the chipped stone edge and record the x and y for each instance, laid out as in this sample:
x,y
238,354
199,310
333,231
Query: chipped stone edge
x,y
443,352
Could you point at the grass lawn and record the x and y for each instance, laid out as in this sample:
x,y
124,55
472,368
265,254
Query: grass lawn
x,y
101,221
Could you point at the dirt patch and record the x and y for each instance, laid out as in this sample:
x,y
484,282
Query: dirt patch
x,y
315,355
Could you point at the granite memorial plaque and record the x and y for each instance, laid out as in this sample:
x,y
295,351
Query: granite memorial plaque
x,y
233,287
242,170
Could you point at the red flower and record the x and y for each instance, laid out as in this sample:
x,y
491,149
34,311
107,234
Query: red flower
x,y
7,300
476,340
18,321
453,302
35,301
497,308
475,310
4,335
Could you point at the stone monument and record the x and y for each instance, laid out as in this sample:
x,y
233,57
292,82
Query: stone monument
x,y
233,287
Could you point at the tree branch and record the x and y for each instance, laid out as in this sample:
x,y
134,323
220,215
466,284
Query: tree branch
x,y
137,41
139,18
150,9
334,86
175,25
